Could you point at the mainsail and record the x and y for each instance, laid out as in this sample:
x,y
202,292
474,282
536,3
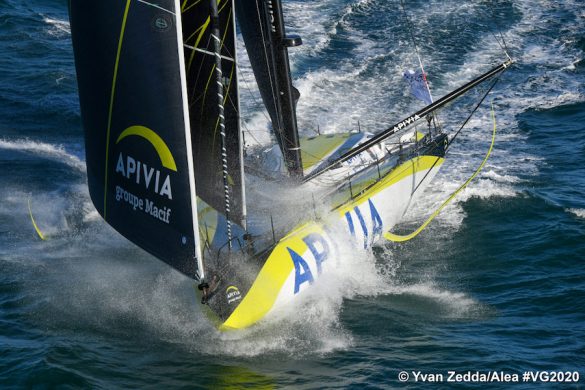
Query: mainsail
x,y
262,26
203,89
130,73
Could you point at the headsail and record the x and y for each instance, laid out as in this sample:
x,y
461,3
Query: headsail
x,y
133,102
203,105
262,26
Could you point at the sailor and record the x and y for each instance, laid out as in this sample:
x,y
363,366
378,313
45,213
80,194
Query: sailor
x,y
208,289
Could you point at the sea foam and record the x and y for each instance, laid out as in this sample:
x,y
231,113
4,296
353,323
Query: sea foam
x,y
45,150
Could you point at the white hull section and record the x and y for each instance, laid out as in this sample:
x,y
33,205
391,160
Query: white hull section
x,y
359,226
309,251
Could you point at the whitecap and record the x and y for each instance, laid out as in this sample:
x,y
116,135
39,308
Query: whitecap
x,y
578,212
57,27
45,150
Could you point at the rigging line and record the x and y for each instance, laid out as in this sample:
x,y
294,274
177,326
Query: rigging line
x,y
243,78
262,110
157,6
220,101
474,110
409,26
251,135
459,130
274,92
221,43
503,44
401,238
207,52
247,86
506,50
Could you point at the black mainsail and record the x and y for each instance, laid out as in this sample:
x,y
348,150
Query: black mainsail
x,y
262,26
200,64
131,78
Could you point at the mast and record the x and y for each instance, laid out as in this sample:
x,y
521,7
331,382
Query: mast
x,y
244,214
262,26
188,147
287,94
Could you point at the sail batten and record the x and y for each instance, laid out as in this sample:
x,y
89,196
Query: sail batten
x,y
208,53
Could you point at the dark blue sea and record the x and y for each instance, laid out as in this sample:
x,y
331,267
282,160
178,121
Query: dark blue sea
x,y
495,284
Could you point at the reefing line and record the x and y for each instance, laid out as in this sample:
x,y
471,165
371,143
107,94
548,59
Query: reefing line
x,y
400,238
41,235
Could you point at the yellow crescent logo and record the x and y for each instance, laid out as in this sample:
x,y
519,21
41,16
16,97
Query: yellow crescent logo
x,y
232,288
165,155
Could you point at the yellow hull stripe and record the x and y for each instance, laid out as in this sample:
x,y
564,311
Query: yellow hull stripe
x,y
271,278
409,168
261,297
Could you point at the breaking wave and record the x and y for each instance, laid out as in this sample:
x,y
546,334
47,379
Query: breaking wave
x,y
577,212
45,150
58,28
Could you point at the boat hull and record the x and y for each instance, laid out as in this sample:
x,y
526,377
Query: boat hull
x,y
302,256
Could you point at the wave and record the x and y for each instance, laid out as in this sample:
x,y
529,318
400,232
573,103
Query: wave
x,y
578,212
58,27
449,304
104,290
310,20
111,283
45,150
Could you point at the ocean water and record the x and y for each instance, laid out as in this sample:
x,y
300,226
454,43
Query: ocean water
x,y
496,283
